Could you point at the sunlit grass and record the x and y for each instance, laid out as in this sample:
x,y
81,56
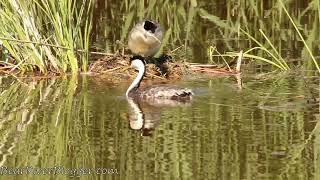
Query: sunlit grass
x,y
62,23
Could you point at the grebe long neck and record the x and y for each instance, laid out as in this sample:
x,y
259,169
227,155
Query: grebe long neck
x,y
138,65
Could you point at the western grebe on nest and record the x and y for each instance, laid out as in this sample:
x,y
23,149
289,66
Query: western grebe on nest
x,y
145,38
154,92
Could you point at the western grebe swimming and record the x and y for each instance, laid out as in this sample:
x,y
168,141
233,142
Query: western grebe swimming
x,y
162,92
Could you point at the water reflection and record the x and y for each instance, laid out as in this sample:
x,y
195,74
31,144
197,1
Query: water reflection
x,y
145,115
268,130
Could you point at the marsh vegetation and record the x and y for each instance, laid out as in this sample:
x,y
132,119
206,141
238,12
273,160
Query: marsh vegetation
x,y
265,126
47,36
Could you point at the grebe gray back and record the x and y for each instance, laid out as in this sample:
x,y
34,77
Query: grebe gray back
x,y
145,38
163,92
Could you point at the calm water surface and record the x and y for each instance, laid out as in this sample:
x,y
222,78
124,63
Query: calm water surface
x,y
266,129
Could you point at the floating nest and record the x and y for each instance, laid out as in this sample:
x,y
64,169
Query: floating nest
x,y
116,67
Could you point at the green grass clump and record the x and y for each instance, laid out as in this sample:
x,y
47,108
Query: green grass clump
x,y
61,23
269,32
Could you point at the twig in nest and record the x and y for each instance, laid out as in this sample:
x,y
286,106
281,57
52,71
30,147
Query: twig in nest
x,y
203,65
116,68
176,49
110,70
153,75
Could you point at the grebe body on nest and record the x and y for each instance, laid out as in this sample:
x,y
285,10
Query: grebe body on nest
x,y
145,38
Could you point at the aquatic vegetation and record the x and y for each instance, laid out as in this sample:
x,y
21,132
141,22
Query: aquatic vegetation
x,y
285,30
267,37
306,46
275,57
51,32
200,25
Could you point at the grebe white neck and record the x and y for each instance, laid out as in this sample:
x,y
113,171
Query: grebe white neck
x,y
138,65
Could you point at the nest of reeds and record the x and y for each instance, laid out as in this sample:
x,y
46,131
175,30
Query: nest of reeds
x,y
117,67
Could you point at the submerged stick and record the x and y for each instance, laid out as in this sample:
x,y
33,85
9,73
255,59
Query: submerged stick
x,y
239,81
239,60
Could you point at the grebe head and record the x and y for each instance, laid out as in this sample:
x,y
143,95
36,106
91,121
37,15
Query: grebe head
x,y
137,64
145,38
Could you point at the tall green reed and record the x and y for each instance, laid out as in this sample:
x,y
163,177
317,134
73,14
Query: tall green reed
x,y
306,46
189,25
62,23
265,25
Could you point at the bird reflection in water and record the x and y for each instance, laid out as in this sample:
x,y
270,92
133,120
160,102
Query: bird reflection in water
x,y
145,115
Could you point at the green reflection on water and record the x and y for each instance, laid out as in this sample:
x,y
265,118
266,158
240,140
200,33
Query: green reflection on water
x,y
267,130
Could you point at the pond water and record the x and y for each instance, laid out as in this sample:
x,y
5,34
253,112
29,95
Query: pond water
x,y
265,127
